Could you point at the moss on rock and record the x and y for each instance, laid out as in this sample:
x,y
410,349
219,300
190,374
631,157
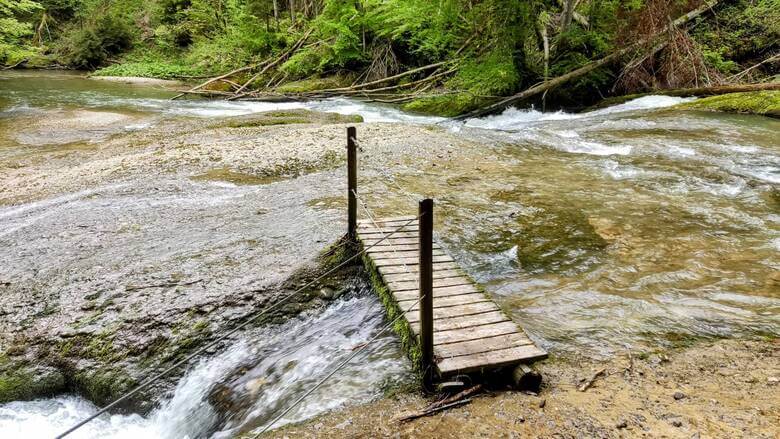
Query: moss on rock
x,y
447,105
103,386
764,103
314,84
20,381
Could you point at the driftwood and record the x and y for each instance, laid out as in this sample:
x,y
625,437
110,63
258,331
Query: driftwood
x,y
775,57
586,385
424,413
16,65
453,401
587,68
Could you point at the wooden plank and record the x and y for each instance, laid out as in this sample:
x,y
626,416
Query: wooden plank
x,y
443,302
475,332
383,247
482,345
457,290
393,240
492,359
403,254
400,260
390,219
378,236
410,265
406,277
450,312
365,230
440,282
465,321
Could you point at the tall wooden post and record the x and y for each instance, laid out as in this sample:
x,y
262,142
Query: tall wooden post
x,y
426,290
351,183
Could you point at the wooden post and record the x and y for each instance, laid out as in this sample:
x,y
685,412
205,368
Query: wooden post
x,y
351,183
426,290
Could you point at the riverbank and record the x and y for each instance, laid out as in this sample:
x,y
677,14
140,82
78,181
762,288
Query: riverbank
x,y
715,388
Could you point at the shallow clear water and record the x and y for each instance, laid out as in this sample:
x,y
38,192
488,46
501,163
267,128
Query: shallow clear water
x,y
631,227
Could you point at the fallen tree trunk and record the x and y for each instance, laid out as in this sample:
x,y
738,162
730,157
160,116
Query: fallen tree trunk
x,y
587,68
226,75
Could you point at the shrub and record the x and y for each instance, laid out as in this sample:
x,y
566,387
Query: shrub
x,y
94,43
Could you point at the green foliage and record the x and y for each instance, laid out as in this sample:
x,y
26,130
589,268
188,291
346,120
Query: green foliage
x,y
338,30
742,30
152,69
13,29
428,29
91,45
492,74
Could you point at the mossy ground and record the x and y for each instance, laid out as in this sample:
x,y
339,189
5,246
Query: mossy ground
x,y
446,105
314,84
764,103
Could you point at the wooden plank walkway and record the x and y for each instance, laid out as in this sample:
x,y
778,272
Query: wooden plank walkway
x,y
470,332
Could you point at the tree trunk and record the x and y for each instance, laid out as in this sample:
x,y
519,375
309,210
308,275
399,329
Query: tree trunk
x,y
568,11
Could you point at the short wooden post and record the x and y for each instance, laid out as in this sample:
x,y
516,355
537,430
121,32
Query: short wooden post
x,y
426,289
351,183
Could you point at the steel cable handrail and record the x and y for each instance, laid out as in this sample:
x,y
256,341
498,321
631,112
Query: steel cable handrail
x,y
246,323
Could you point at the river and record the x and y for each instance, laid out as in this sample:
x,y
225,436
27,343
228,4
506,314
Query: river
x,y
635,226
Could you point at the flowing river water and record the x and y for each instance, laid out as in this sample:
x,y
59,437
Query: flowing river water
x,y
632,226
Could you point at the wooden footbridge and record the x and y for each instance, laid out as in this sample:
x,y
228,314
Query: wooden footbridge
x,y
456,326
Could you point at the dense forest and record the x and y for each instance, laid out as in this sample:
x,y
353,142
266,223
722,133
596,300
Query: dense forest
x,y
439,56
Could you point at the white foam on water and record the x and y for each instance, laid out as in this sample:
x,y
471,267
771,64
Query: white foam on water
x,y
644,103
514,118
288,361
